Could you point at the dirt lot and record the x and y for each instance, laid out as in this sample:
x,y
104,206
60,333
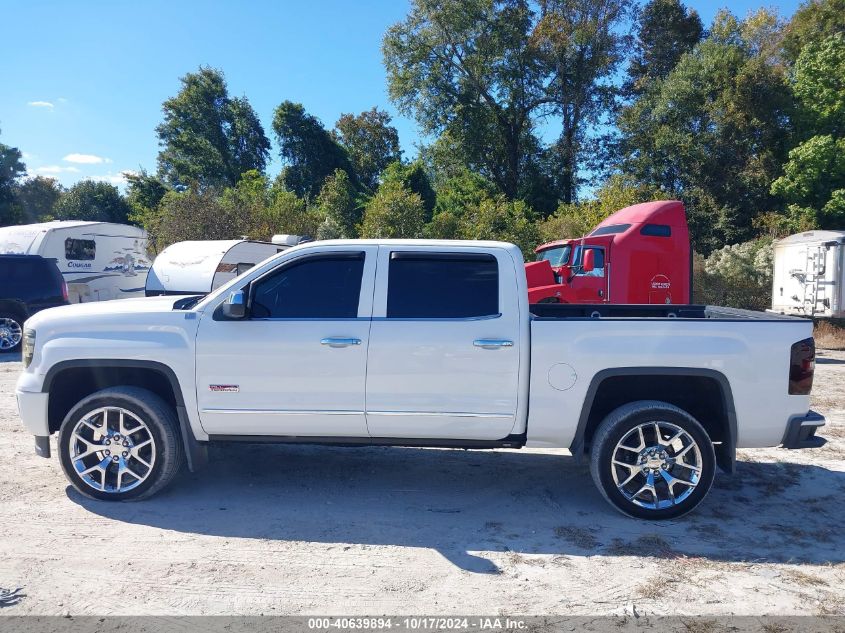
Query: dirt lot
x,y
280,530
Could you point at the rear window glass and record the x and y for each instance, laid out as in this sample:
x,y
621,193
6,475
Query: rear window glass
x,y
29,270
611,229
80,250
442,286
657,230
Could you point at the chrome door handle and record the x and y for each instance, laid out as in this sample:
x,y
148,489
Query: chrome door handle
x,y
339,341
492,343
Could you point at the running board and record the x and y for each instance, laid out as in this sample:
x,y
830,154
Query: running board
x,y
511,441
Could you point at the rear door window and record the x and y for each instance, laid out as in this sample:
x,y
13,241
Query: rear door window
x,y
442,286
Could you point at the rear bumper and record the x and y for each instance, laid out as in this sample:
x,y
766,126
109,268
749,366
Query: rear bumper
x,y
801,431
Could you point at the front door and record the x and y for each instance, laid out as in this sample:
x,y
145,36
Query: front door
x,y
444,346
296,365
589,287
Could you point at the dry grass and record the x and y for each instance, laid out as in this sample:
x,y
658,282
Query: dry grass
x,y
804,579
700,625
579,537
829,336
650,545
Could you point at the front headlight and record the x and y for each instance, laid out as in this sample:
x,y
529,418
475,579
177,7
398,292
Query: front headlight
x,y
28,347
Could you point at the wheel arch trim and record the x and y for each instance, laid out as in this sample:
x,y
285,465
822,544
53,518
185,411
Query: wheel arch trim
x,y
195,451
728,461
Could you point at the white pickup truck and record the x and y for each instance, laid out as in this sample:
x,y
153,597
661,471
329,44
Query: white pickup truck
x,y
413,343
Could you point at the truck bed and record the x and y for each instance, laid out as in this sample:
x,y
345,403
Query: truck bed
x,y
575,312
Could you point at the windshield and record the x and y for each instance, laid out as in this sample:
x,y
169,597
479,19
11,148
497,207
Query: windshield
x,y
557,256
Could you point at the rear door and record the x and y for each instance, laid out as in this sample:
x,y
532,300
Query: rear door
x,y
443,359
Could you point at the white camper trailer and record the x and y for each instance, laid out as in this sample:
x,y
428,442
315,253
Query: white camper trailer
x,y
808,276
98,260
198,267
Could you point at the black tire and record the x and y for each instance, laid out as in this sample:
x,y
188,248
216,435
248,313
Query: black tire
x,y
160,419
18,320
617,425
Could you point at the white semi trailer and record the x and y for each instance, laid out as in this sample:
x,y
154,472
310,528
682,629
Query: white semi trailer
x,y
808,275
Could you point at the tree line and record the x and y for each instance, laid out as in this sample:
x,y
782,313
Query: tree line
x,y
541,118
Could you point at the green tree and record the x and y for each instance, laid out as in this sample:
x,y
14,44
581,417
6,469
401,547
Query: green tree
x,y
414,178
739,275
11,169
329,230
338,203
289,214
468,68
813,183
813,21
713,133
207,138
309,152
819,85
93,201
463,190
574,220
144,189
501,219
144,193
666,29
196,214
371,142
394,212
37,197
580,45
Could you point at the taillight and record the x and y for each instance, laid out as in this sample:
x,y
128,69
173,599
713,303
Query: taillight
x,y
802,365
64,290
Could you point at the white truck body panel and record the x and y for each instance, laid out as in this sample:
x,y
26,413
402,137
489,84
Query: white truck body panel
x,y
412,378
809,272
99,261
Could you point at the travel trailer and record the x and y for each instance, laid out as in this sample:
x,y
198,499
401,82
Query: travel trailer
x,y
809,269
198,267
98,260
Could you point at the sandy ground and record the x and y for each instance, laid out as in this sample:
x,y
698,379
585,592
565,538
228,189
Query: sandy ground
x,y
309,530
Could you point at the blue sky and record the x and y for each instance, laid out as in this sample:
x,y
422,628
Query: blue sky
x,y
81,83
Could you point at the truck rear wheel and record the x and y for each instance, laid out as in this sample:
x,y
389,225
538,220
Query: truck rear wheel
x,y
652,460
120,444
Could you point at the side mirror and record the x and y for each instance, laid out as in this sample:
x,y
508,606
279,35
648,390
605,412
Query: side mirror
x,y
588,261
235,305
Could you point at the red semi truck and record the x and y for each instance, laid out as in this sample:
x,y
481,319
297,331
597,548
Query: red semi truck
x,y
640,254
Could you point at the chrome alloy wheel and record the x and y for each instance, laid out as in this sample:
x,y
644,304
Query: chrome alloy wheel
x,y
656,465
11,333
112,450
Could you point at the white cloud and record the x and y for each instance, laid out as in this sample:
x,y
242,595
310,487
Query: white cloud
x,y
85,159
55,169
114,179
41,104
28,156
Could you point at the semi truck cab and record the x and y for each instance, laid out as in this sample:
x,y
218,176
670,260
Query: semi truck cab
x,y
638,255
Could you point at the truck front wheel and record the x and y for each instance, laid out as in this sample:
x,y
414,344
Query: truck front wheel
x,y
652,460
119,444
